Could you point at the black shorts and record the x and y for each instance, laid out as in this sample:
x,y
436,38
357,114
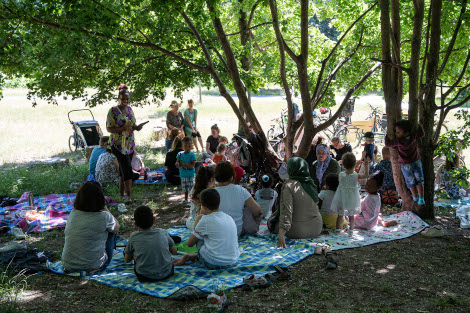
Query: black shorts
x,y
125,167
145,279
194,134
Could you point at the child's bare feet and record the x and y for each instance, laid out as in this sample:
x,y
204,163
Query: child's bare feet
x,y
185,258
389,223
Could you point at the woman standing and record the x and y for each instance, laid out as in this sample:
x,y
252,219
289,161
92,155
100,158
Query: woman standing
x,y
323,166
190,121
298,215
174,118
121,124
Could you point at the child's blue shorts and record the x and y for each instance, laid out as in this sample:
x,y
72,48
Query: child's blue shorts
x,y
413,173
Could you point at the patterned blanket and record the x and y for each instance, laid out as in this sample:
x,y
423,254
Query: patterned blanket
x,y
51,212
142,181
258,256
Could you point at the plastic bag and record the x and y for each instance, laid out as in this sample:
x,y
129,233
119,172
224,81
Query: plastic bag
x,y
463,213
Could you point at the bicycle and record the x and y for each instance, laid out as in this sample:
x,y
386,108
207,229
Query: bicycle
x,y
278,127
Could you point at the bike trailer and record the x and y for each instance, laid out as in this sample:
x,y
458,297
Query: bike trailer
x,y
86,133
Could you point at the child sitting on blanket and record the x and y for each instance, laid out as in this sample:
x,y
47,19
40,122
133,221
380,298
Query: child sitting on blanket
x,y
324,202
215,234
137,164
204,179
150,248
370,205
266,196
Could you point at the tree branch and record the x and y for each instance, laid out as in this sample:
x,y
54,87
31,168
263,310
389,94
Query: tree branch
x,y
252,12
462,73
122,18
335,70
10,34
130,42
250,28
404,69
455,98
320,74
338,112
454,37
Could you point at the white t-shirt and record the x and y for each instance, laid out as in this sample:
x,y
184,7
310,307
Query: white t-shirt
x,y
326,196
219,233
266,198
232,202
135,163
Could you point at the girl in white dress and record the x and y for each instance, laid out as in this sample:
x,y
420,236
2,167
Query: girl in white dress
x,y
347,201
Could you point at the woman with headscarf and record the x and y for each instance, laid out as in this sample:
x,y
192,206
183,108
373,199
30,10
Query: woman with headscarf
x,y
323,166
297,215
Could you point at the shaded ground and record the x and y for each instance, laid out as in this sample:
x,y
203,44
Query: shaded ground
x,y
417,274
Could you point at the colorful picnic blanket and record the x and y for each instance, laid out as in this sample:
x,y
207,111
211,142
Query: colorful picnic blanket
x,y
142,181
258,256
51,212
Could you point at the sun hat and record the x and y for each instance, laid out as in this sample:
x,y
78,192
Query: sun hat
x,y
369,135
174,103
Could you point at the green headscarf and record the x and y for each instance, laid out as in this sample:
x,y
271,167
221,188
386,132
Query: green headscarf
x,y
298,170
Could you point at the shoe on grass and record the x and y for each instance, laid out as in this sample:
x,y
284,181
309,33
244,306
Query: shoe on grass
x,y
218,301
256,281
18,233
434,232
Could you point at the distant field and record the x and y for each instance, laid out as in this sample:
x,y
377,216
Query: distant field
x,y
28,133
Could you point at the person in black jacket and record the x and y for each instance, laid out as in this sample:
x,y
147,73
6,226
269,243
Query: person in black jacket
x,y
339,148
172,173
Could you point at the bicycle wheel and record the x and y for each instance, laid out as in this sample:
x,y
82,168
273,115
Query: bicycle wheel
x,y
359,137
72,144
270,134
444,128
342,133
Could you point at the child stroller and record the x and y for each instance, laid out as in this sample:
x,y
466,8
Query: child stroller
x,y
85,133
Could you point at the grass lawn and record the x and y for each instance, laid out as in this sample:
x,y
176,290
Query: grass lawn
x,y
416,274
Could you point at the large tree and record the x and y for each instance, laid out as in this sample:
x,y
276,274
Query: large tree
x,y
66,46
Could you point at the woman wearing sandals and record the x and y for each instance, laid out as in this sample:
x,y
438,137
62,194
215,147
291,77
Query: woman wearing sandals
x,y
120,122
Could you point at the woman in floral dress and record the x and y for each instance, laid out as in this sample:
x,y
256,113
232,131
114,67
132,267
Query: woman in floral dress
x,y
121,124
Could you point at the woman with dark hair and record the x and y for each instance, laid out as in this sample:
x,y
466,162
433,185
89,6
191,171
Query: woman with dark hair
x,y
323,166
172,173
236,201
90,232
212,141
297,215
121,123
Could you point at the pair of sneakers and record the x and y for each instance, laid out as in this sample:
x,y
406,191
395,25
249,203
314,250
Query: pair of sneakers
x,y
218,301
418,200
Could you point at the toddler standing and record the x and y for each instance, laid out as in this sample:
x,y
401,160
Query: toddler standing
x,y
346,201
266,196
185,161
406,143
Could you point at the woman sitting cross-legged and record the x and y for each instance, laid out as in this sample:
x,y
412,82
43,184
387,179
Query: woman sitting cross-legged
x,y
298,215
236,201
172,173
107,168
90,233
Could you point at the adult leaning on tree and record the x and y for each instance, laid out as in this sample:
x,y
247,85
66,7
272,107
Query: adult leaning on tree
x,y
323,166
121,123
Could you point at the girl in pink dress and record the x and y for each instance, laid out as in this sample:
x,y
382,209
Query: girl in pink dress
x,y
370,205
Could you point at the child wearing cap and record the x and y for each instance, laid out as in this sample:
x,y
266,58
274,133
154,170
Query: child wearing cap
x,y
266,196
370,151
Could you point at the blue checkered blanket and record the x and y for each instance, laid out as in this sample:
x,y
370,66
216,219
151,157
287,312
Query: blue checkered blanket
x,y
258,256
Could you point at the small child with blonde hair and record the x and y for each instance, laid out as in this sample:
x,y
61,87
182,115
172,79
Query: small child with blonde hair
x,y
346,201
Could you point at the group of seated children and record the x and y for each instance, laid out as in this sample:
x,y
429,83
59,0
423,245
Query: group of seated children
x,y
215,235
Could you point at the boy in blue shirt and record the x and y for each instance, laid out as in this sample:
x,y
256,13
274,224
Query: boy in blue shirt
x,y
95,155
185,161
